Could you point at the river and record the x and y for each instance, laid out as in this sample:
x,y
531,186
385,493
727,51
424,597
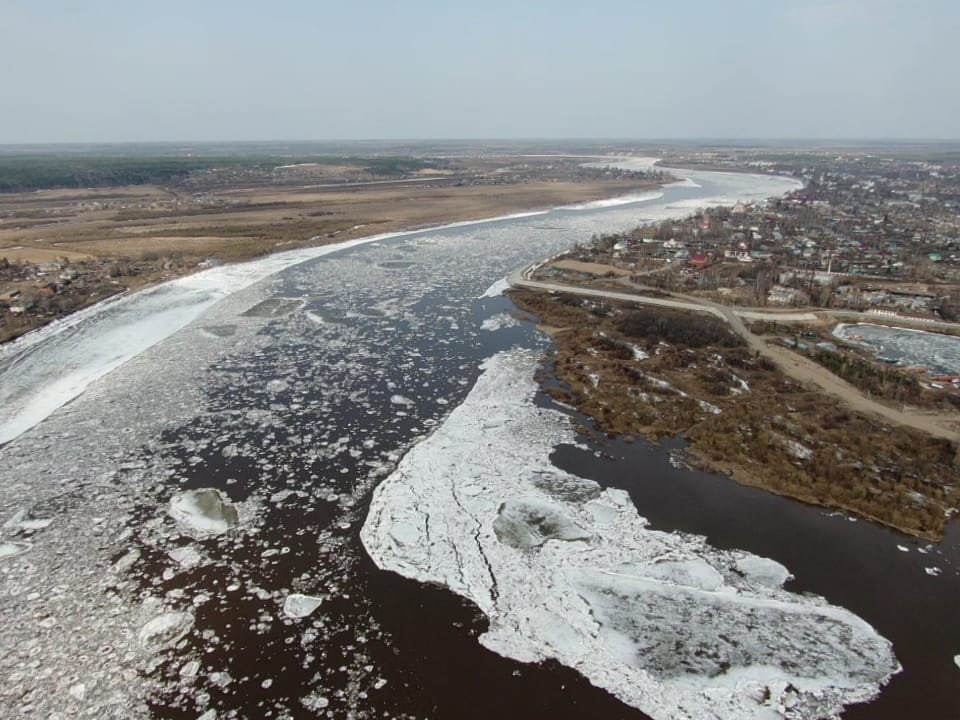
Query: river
x,y
297,385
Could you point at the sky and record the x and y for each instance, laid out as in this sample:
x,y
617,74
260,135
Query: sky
x,y
208,70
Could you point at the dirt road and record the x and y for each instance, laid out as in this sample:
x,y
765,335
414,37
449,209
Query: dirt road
x,y
795,366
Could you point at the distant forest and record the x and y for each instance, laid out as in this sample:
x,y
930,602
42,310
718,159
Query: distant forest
x,y
24,173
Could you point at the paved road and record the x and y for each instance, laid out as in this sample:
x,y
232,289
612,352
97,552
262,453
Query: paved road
x,y
796,366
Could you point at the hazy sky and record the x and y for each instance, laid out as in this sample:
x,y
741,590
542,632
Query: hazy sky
x,y
130,70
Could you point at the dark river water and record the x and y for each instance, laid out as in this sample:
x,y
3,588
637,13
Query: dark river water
x,y
296,409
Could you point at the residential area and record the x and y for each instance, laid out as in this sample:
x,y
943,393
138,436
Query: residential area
x,y
863,234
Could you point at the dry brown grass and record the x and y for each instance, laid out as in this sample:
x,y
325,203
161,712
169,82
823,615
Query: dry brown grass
x,y
779,435
259,220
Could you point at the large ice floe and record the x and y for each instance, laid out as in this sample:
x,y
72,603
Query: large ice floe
x,y
566,570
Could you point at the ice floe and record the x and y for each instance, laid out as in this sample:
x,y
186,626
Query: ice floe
x,y
207,510
166,629
298,606
499,321
9,549
663,621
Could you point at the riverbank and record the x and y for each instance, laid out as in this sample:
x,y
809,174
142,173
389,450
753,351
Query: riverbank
x,y
74,253
662,373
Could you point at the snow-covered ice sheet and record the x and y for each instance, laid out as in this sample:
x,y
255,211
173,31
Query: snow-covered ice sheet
x,y
663,621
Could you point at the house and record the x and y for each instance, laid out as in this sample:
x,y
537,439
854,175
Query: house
x,y
700,261
781,295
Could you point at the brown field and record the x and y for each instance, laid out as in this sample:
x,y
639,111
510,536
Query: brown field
x,y
35,254
254,221
598,269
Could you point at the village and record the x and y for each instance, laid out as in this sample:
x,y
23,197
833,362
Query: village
x,y
870,235
34,293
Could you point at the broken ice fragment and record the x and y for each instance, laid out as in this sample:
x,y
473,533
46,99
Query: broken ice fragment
x,y
298,606
186,557
165,630
529,523
206,509
276,386
127,560
763,570
9,549
315,701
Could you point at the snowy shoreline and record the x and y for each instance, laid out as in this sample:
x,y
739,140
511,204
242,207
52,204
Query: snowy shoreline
x,y
567,571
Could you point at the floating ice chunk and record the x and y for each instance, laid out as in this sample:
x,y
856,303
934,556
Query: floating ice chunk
x,y
497,289
298,606
21,520
528,522
206,509
190,669
933,571
567,487
401,400
763,570
499,322
9,549
35,523
186,557
315,701
277,385
956,660
13,522
78,691
127,560
667,630
210,714
165,630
